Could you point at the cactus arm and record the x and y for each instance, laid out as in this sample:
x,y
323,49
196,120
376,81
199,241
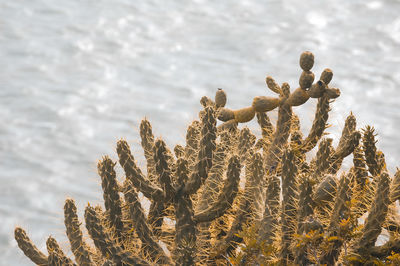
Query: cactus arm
x,y
111,197
104,242
134,174
185,227
370,151
74,233
289,212
53,247
29,249
155,217
395,188
321,160
205,155
137,215
226,196
306,203
192,142
281,135
305,210
341,211
376,217
249,206
269,222
343,151
163,169
147,142
246,142
319,124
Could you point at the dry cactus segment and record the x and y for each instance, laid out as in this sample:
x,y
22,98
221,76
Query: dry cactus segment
x,y
29,249
78,246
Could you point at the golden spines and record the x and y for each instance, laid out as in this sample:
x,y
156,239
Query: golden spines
x,y
29,249
226,196
377,214
74,233
57,254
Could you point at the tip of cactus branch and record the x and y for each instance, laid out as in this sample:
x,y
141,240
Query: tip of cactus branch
x,y
306,60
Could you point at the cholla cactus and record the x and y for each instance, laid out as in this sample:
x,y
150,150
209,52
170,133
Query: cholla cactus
x,y
289,211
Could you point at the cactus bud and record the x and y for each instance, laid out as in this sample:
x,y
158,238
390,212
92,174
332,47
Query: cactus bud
x,y
264,104
326,76
245,114
220,98
306,61
306,79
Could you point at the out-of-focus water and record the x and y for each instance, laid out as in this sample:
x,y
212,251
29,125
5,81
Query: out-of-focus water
x,y
77,75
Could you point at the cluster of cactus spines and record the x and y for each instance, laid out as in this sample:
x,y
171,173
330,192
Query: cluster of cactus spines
x,y
289,208
204,207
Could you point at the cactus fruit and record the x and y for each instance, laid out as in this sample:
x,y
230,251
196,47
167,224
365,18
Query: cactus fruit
x,y
306,61
205,210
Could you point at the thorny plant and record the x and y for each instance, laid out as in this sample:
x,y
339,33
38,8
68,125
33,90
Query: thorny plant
x,y
288,212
